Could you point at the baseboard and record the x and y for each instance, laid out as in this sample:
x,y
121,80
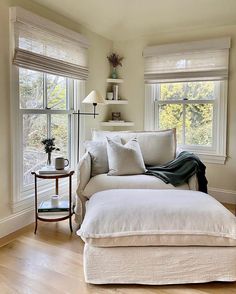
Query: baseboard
x,y
225,196
16,221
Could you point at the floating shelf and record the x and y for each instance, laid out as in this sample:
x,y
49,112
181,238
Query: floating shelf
x,y
115,81
117,124
117,101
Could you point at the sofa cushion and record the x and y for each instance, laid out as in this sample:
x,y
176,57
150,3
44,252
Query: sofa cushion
x,y
124,159
98,153
157,218
103,182
157,147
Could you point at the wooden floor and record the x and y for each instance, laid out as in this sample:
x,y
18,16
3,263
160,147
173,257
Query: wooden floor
x,y
52,262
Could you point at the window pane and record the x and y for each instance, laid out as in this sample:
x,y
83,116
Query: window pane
x,y
200,90
59,131
56,92
172,91
188,91
199,124
30,88
171,116
34,157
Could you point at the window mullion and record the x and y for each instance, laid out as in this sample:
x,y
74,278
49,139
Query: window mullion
x,y
184,123
45,96
45,103
69,139
49,119
156,107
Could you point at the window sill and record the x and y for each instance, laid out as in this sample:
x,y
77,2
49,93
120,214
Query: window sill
x,y
206,157
212,158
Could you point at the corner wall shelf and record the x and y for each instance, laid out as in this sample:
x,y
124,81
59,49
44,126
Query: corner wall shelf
x,y
117,101
115,81
117,124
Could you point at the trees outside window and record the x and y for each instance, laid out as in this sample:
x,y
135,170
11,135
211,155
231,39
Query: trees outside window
x,y
46,103
188,107
198,111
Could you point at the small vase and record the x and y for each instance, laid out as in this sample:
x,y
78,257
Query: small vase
x,y
114,73
49,161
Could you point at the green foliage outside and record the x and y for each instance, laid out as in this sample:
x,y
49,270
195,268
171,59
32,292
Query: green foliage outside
x,y
198,117
31,91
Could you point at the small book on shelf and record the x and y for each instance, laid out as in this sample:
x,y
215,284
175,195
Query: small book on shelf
x,y
52,214
46,206
48,170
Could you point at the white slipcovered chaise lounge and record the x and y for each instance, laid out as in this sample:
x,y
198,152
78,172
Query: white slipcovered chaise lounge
x,y
137,229
157,148
158,237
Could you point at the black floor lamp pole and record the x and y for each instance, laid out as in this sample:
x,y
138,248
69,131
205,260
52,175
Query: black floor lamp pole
x,y
78,124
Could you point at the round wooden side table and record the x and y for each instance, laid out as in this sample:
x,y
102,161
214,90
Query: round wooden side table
x,y
55,177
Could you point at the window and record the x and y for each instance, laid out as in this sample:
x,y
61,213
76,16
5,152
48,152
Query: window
x,y
46,104
48,77
187,90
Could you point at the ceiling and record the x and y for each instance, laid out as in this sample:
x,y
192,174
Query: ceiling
x,y
126,19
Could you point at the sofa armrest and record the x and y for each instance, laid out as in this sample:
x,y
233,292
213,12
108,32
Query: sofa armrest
x,y
84,174
193,183
84,171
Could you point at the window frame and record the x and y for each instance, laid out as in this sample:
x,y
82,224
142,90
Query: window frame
x,y
214,154
23,198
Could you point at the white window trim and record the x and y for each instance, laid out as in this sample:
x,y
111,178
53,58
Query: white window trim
x,y
21,200
217,155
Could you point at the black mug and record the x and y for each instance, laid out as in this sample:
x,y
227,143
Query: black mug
x,y
61,163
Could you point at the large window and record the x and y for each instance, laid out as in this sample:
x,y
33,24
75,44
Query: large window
x,y
190,107
46,103
50,67
186,89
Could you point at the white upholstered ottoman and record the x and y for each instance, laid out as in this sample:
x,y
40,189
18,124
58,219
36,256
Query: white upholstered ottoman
x,y
158,237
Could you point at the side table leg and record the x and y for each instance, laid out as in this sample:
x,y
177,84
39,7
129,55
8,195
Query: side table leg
x,y
36,226
36,203
70,200
70,222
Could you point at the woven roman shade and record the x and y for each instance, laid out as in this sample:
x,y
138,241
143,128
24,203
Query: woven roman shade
x,y
43,48
200,60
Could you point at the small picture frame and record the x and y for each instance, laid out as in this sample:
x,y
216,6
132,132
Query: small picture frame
x,y
116,116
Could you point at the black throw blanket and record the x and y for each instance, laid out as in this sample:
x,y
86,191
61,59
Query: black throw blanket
x,y
180,170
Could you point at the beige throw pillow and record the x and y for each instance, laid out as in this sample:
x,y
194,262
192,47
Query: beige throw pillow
x,y
124,159
98,153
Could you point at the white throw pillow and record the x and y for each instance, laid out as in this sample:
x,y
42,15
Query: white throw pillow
x,y
98,153
124,159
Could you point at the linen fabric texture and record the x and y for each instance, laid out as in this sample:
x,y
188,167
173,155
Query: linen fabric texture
x,y
159,265
157,218
103,182
124,159
157,147
98,153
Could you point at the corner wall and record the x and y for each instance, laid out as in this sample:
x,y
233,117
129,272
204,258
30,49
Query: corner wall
x,y
221,177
